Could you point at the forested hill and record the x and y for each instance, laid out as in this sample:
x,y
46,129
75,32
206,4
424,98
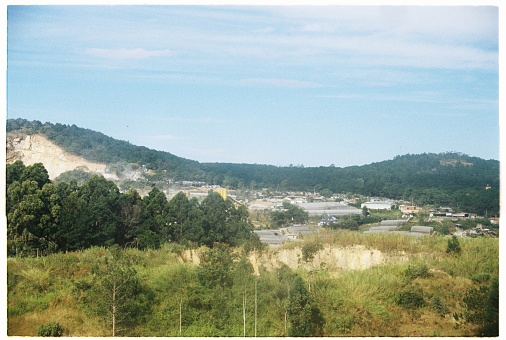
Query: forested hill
x,y
447,179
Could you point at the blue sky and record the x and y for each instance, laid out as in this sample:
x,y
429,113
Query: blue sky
x,y
280,85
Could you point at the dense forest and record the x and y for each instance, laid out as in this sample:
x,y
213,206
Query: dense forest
x,y
446,179
44,218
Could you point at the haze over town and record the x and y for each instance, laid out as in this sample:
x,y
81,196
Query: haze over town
x,y
280,85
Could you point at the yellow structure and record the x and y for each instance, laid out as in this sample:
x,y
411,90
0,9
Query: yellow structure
x,y
222,192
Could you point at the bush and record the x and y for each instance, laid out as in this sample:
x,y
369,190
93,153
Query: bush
x,y
453,246
439,306
410,298
50,329
415,271
309,250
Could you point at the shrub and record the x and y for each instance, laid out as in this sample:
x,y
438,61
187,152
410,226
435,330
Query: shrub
x,y
453,246
50,329
439,306
309,250
410,298
415,271
481,278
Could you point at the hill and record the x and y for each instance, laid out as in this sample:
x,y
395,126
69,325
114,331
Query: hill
x,y
450,179
358,285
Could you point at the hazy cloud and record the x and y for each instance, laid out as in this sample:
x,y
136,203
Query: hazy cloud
x,y
279,82
124,53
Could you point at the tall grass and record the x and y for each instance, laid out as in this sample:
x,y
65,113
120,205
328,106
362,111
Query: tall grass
x,y
354,302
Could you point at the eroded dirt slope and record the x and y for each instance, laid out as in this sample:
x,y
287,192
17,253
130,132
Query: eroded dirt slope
x,y
31,149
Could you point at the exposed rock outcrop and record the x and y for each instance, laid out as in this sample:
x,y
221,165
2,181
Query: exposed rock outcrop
x,y
31,149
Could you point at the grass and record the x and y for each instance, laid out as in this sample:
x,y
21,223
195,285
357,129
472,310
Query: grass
x,y
354,302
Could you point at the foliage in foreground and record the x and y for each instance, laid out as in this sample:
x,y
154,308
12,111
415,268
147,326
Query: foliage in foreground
x,y
166,294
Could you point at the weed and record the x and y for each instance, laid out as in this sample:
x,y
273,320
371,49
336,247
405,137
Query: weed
x,y
416,270
51,329
410,298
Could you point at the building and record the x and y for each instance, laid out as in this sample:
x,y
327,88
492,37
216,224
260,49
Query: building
x,y
377,205
396,223
408,209
327,220
273,238
328,208
298,231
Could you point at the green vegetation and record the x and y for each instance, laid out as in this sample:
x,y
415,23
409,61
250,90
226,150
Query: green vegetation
x,y
44,218
304,315
482,307
453,246
288,215
52,329
86,259
446,179
164,292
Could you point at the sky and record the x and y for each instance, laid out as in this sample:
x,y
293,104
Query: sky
x,y
280,85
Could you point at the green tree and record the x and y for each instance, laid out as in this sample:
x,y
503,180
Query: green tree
x,y
453,246
35,172
101,215
304,315
216,267
156,212
131,208
13,172
290,214
244,285
149,240
178,217
216,213
116,294
194,231
33,208
72,232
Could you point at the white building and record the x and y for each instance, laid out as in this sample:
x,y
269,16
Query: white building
x,y
379,205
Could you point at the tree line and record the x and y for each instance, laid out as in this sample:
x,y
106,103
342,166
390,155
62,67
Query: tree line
x,y
46,217
445,179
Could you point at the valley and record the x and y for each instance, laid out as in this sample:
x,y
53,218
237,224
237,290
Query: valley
x,y
406,247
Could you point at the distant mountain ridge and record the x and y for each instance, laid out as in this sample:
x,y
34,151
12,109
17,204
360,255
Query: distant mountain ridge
x,y
447,178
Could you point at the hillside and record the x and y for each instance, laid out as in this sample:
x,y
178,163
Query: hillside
x,y
360,285
31,149
91,259
452,179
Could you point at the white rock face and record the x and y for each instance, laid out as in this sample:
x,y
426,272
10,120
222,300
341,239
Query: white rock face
x,y
31,149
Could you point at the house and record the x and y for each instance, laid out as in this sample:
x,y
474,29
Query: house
x,y
408,209
327,219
